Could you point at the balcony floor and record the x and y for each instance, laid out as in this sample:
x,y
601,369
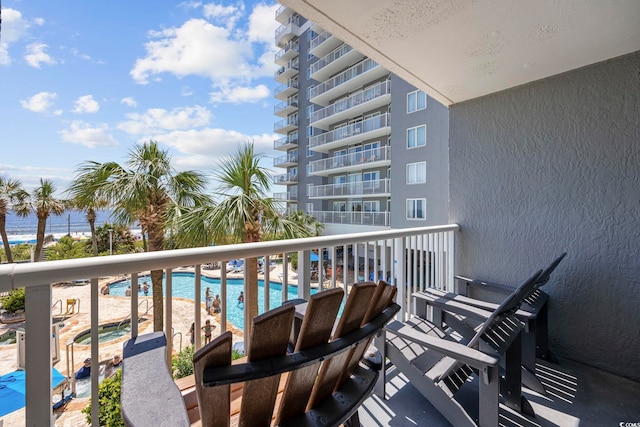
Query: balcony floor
x,y
600,399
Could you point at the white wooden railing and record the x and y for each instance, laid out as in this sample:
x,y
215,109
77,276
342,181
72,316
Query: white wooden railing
x,y
427,254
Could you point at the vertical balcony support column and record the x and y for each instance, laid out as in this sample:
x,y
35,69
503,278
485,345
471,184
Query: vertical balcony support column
x,y
95,356
38,355
168,315
198,307
304,275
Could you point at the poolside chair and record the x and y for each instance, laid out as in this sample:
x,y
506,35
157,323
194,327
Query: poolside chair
x,y
444,370
461,314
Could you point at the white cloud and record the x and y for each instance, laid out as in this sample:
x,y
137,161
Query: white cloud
x,y
262,24
36,55
39,21
219,49
156,120
30,175
40,102
238,94
129,101
186,91
202,148
14,28
83,133
86,104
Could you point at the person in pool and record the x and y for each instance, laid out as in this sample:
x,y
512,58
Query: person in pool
x,y
241,298
85,370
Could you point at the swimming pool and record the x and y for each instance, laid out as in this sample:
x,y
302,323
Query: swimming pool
x,y
184,287
107,332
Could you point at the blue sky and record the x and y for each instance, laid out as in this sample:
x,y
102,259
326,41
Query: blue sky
x,y
85,80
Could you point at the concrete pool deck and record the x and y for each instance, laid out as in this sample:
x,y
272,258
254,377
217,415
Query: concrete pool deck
x,y
111,309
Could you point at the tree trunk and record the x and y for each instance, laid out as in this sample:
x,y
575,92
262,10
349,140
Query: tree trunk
x,y
91,219
5,239
42,224
156,243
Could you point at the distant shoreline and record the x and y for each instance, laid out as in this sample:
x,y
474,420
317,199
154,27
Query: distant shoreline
x,y
17,239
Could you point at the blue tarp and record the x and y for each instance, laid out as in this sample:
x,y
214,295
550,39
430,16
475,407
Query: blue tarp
x,y
12,390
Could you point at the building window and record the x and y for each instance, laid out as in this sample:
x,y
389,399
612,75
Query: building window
x,y
417,173
309,130
309,208
309,151
309,73
416,209
309,187
309,111
416,101
309,89
417,136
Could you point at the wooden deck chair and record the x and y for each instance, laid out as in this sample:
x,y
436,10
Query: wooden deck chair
x,y
440,368
464,314
269,337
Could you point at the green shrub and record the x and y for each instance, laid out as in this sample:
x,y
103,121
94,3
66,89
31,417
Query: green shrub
x,y
109,400
182,363
14,301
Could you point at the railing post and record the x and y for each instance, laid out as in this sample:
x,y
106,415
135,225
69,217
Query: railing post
x,y
38,362
168,316
95,346
134,305
304,275
399,275
198,307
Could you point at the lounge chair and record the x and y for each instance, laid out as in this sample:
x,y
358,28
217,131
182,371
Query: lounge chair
x,y
461,314
441,368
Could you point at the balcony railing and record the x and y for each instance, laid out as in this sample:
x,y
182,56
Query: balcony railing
x,y
349,74
288,196
283,14
288,30
285,178
284,161
357,218
333,62
374,157
390,254
286,142
377,187
287,52
287,71
366,129
351,105
286,125
285,90
323,43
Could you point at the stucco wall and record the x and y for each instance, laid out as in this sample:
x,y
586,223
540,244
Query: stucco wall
x,y
549,167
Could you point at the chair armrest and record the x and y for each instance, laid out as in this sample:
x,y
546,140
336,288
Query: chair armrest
x,y
149,397
496,288
459,352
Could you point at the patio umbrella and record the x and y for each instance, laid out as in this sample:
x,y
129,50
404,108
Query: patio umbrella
x,y
12,390
314,257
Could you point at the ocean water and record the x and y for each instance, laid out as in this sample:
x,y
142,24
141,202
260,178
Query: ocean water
x,y
23,229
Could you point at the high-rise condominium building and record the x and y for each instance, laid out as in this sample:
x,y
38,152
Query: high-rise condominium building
x,y
361,148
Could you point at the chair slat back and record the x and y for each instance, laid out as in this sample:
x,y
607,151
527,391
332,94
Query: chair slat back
x,y
269,338
213,401
354,311
318,322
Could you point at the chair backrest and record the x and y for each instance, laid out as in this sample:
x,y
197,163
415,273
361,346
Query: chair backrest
x,y
546,274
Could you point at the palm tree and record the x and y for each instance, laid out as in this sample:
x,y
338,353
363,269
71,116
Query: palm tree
x,y
11,194
44,203
89,202
243,214
145,190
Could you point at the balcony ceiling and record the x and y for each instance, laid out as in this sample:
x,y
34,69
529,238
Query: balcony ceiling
x,y
456,50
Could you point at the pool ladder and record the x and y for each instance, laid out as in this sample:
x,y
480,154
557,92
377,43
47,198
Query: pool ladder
x,y
128,316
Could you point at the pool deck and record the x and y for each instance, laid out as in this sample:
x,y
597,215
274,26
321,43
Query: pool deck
x,y
111,309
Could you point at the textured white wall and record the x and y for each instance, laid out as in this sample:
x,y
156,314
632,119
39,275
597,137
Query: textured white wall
x,y
549,167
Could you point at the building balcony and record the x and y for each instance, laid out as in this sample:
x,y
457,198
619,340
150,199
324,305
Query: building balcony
x,y
336,60
289,70
284,91
286,143
283,14
288,30
367,159
380,219
285,108
373,127
287,125
286,161
369,99
285,179
350,80
323,43
288,196
374,188
287,53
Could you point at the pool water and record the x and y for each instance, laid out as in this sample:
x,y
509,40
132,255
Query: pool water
x,y
105,334
183,285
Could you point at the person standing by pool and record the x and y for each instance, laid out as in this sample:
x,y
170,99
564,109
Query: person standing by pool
x,y
217,304
208,329
192,333
208,300
145,288
241,298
